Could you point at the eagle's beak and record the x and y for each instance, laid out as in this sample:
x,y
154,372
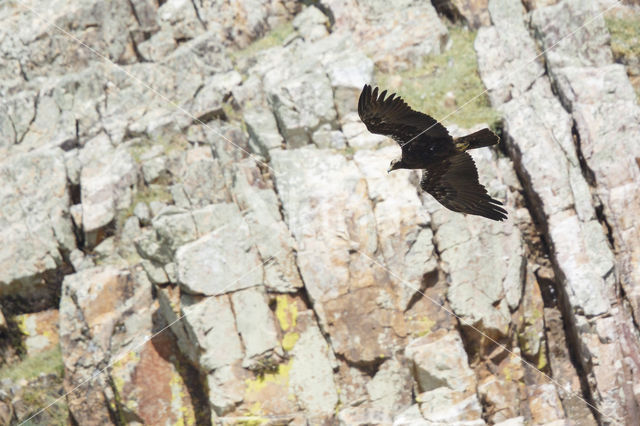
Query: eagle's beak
x,y
389,169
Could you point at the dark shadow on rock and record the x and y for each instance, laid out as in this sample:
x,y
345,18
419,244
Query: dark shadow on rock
x,y
166,346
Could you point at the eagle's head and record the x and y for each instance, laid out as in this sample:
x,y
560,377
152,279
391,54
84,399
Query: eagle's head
x,y
395,164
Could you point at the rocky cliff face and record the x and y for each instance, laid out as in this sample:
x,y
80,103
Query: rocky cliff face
x,y
198,229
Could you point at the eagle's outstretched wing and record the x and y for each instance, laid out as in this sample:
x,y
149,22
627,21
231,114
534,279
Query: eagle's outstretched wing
x,y
394,118
454,183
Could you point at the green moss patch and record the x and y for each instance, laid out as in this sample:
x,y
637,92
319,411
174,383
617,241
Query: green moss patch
x,y
625,36
625,42
37,397
426,88
40,391
169,142
49,361
273,38
147,194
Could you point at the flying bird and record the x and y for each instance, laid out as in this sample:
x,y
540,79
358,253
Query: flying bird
x,y
449,173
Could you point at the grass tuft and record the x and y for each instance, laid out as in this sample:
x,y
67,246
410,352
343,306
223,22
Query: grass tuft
x,y
625,43
275,37
625,36
49,361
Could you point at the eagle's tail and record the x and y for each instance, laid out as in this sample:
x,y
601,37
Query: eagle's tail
x,y
479,139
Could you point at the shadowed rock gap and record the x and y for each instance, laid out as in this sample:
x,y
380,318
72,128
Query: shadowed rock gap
x,y
369,368
134,12
449,10
118,413
134,45
194,379
554,294
588,174
11,344
76,198
585,79
428,280
36,101
197,12
324,9
590,177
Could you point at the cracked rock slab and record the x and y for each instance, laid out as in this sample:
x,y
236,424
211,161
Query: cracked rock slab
x,y
506,53
401,221
272,237
255,323
311,23
446,383
263,130
589,43
221,261
440,360
311,375
550,162
210,325
199,179
540,140
106,179
445,406
35,223
609,149
373,26
105,316
301,104
326,207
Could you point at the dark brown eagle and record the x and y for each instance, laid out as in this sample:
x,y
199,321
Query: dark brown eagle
x,y
449,173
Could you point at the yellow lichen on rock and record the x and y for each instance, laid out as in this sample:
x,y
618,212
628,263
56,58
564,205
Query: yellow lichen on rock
x,y
289,340
185,412
269,394
286,312
426,324
542,359
279,377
